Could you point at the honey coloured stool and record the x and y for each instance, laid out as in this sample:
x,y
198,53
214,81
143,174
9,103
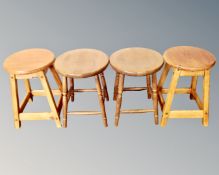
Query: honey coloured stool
x,y
136,62
83,63
186,61
28,64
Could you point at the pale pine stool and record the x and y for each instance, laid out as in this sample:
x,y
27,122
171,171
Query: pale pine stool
x,y
136,62
28,64
186,61
83,63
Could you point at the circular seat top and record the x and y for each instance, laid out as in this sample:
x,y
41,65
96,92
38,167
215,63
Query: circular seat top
x,y
136,61
28,61
81,63
189,58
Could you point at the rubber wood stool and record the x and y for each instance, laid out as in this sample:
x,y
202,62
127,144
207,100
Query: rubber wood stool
x,y
83,63
27,64
136,62
186,61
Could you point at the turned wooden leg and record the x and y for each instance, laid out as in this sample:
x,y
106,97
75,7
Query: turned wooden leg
x,y
64,101
28,89
15,101
160,85
170,95
71,82
155,99
102,89
101,101
193,86
206,90
119,98
50,97
105,91
149,90
116,86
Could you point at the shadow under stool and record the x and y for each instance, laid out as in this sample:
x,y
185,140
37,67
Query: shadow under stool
x,y
186,61
28,64
136,62
83,63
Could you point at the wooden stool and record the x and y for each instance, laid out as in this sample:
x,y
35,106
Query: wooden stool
x,y
83,63
186,61
27,64
136,62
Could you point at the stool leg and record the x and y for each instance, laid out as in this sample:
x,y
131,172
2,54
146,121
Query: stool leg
x,y
101,101
155,100
101,88
149,91
193,86
28,89
15,101
59,84
116,86
119,98
50,97
206,89
106,95
160,85
169,99
56,77
64,100
72,94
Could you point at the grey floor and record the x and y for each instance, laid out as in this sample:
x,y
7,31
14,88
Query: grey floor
x,y
86,147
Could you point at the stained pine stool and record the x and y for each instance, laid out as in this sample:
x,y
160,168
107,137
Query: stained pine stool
x,y
28,64
136,62
186,61
83,63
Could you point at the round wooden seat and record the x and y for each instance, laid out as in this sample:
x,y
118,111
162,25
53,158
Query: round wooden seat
x,y
136,61
189,58
81,63
29,61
